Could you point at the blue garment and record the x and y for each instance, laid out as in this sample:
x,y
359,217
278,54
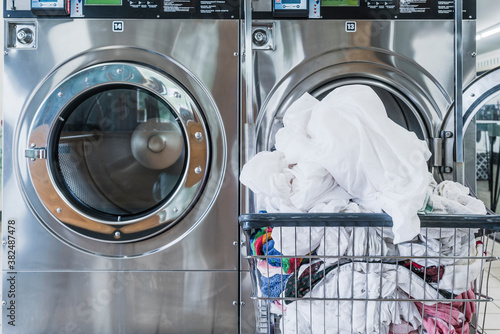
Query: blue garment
x,y
273,286
269,249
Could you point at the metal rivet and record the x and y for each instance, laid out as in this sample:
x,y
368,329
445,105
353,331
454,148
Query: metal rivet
x,y
6,53
4,242
198,170
448,134
4,302
175,210
60,94
447,169
235,243
58,210
118,235
473,54
33,145
236,54
235,303
119,71
472,94
177,95
198,135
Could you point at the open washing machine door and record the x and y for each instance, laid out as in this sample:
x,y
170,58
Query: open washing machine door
x,y
406,103
481,120
118,153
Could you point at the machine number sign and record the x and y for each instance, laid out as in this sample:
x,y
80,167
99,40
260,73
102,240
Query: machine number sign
x,y
350,26
118,26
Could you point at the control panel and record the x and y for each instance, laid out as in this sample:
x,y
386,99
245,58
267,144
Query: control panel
x,y
50,7
147,9
362,9
290,8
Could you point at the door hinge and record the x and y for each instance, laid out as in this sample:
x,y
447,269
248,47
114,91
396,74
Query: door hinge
x,y
437,152
442,153
34,153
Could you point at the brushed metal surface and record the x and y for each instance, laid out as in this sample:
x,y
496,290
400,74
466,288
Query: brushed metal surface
x,y
410,60
194,302
181,281
30,75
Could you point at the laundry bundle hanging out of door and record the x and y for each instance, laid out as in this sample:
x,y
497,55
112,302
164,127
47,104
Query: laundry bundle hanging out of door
x,y
341,150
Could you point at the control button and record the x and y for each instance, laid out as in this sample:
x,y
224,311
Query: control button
x,y
260,37
25,36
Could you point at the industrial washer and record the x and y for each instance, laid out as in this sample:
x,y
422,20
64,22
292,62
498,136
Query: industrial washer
x,y
402,49
120,166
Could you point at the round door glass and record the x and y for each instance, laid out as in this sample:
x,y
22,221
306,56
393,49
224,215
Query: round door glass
x,y
119,153
487,147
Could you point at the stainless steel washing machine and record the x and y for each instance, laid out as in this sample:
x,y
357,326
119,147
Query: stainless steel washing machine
x,y
404,50
120,167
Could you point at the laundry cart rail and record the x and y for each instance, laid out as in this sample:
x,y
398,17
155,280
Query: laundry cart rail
x,y
342,273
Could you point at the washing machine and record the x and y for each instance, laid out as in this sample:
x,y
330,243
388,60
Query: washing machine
x,y
402,49
120,166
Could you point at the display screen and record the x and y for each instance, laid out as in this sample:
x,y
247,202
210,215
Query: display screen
x,y
340,3
290,1
103,2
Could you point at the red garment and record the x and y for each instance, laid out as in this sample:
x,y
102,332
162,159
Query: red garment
x,y
449,318
402,328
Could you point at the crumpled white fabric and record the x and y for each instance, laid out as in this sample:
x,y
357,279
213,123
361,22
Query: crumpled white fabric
x,y
273,176
382,165
377,163
453,198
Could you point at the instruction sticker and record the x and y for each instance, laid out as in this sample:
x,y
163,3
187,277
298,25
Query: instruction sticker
x,y
446,6
176,6
414,6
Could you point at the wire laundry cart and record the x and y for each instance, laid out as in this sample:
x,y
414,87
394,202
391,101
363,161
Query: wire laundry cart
x,y
341,273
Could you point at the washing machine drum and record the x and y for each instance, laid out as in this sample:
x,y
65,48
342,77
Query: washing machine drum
x,y
118,153
125,156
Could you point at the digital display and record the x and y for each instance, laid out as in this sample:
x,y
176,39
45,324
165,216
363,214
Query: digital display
x,y
290,1
103,2
340,3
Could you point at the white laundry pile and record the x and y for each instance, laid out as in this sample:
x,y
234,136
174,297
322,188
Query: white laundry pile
x,y
344,148
358,281
344,154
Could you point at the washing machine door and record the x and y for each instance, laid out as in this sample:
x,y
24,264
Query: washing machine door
x,y
401,104
118,153
481,137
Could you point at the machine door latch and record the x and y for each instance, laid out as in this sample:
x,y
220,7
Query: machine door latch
x,y
34,153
